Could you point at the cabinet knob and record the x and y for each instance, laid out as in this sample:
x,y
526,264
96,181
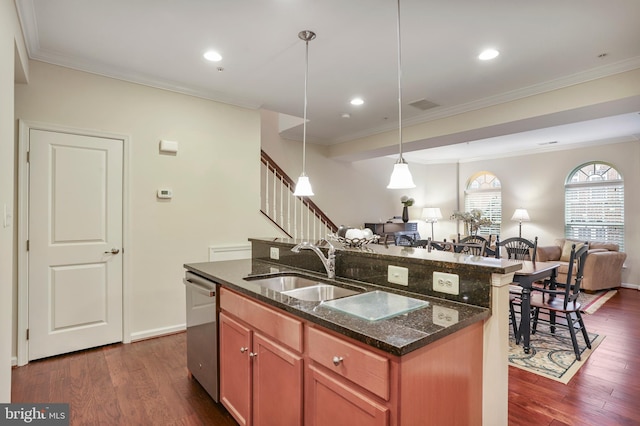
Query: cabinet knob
x,y
243,350
253,354
337,360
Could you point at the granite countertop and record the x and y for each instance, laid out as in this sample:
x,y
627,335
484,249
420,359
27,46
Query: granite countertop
x,y
397,335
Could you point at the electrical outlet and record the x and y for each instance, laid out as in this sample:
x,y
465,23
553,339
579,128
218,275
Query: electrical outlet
x,y
446,283
444,316
274,253
398,275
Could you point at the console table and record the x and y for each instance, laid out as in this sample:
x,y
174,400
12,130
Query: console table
x,y
394,230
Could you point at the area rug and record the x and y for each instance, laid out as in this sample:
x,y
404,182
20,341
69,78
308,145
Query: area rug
x,y
592,302
551,355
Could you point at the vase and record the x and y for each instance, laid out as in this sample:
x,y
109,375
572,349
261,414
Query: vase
x,y
405,214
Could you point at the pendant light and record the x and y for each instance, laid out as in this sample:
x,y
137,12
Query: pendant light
x,y
303,187
401,176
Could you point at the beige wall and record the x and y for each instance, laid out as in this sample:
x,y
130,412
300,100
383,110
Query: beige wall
x,y
536,182
214,176
354,193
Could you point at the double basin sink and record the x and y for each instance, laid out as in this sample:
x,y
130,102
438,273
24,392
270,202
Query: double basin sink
x,y
304,288
369,305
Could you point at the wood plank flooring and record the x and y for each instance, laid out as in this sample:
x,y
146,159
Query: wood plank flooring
x,y
147,383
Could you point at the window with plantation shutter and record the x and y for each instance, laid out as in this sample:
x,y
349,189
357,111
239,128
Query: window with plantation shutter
x,y
484,192
594,204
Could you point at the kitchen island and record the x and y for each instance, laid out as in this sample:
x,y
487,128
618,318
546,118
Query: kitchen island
x,y
420,367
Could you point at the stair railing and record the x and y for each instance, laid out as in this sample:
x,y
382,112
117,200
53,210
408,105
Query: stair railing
x,y
297,217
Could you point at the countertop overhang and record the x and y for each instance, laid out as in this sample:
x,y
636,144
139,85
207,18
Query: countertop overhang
x,y
398,335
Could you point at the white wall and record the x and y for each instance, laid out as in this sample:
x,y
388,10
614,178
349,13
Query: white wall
x,y
214,176
12,68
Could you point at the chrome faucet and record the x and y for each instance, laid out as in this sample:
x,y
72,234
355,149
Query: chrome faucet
x,y
329,262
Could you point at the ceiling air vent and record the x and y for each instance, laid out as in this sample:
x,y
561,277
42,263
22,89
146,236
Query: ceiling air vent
x,y
423,104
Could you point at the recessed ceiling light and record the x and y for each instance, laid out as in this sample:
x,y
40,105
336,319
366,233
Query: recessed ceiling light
x,y
345,115
212,55
488,54
357,101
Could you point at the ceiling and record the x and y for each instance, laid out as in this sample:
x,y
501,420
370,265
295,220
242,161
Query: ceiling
x,y
544,45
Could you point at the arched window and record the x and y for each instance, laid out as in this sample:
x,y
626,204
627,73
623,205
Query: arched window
x,y
594,204
484,192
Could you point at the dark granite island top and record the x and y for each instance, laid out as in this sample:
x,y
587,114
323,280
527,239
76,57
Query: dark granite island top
x,y
397,335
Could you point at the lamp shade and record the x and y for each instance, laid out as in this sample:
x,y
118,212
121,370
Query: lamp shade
x,y
303,187
431,214
520,215
401,177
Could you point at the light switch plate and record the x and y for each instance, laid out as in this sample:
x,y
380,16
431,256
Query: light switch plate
x,y
274,253
398,275
446,283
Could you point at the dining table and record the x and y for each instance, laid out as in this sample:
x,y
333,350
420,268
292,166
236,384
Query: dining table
x,y
531,273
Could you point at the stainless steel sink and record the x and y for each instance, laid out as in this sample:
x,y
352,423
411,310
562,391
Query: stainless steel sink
x,y
303,288
282,283
319,293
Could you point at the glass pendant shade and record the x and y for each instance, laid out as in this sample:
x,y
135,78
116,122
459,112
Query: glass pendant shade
x,y
401,177
303,187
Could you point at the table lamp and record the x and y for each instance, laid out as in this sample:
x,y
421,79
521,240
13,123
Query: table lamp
x,y
431,215
520,215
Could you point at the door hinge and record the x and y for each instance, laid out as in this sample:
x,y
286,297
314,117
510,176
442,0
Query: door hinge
x,y
27,245
28,157
27,334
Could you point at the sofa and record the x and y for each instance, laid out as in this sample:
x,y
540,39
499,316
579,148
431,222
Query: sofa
x,y
602,269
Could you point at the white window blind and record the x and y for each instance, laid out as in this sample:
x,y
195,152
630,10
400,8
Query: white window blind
x,y
485,194
594,204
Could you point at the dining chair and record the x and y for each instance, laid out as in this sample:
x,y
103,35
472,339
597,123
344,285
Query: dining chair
x,y
475,249
516,248
562,303
477,239
438,245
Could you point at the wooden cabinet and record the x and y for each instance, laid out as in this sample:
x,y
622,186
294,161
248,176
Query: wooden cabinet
x,y
261,379
273,365
331,400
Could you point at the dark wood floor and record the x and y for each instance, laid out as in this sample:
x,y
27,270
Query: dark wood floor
x,y
146,383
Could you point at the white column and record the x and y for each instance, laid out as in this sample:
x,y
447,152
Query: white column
x,y
495,375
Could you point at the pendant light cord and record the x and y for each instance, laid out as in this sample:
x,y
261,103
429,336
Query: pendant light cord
x,y
304,123
400,159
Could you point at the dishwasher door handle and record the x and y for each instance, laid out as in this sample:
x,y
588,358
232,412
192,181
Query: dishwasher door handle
x,y
200,288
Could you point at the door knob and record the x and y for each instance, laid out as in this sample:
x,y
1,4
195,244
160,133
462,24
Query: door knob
x,y
113,251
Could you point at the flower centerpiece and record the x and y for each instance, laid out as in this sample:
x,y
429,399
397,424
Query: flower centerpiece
x,y
473,220
406,202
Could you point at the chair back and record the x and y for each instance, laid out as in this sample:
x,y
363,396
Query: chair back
x,y
575,273
476,239
438,245
518,248
475,249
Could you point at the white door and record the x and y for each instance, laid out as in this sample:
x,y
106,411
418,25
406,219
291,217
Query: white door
x,y
75,242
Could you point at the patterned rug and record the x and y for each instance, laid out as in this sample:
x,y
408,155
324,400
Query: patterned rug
x,y
551,355
592,302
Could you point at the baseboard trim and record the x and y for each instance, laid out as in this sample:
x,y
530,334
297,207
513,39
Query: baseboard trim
x,y
633,286
14,361
157,332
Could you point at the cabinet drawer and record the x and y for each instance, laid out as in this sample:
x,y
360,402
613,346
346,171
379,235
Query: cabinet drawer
x,y
281,327
361,366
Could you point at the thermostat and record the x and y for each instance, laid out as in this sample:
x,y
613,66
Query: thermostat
x,y
165,193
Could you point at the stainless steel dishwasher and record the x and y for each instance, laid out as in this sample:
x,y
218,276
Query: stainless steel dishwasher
x,y
202,331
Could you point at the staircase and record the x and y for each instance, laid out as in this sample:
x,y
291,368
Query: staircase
x,y
297,217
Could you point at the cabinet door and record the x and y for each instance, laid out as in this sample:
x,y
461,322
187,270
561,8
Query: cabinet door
x,y
235,369
277,384
333,402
